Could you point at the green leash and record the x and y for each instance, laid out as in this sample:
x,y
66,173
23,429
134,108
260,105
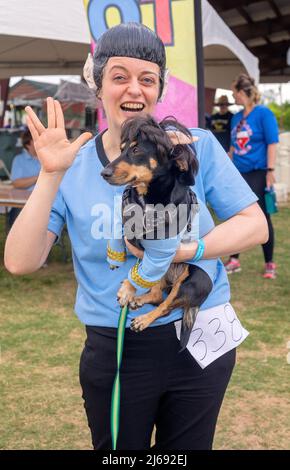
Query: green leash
x,y
116,393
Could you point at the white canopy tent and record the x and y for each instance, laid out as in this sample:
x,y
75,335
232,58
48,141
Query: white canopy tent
x,y
225,56
38,37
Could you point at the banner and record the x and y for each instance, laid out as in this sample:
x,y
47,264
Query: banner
x,y
174,22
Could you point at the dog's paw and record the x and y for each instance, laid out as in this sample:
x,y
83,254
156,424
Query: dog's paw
x,y
126,293
136,303
140,323
124,298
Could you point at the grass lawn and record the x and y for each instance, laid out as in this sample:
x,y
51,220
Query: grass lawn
x,y
41,341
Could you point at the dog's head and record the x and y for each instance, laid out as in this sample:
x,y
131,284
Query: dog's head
x,y
148,153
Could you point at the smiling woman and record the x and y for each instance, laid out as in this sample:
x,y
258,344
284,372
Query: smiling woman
x,y
181,393
128,88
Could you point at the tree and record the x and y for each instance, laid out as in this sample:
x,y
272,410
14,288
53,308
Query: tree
x,y
282,113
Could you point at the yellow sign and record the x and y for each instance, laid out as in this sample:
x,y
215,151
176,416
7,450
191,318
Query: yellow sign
x,y
174,22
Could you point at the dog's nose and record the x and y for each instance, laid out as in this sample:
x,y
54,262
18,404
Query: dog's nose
x,y
107,173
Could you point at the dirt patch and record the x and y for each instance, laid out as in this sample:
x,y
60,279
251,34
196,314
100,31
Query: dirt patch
x,y
252,422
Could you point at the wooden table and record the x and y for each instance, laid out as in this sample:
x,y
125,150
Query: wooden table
x,y
11,197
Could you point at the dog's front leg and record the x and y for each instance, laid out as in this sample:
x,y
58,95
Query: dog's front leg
x,y
143,321
154,296
126,293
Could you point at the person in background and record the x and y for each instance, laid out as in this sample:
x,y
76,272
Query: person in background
x,y
9,124
207,121
220,123
254,139
25,170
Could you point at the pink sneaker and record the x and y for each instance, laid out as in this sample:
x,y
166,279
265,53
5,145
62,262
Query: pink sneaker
x,y
233,266
270,271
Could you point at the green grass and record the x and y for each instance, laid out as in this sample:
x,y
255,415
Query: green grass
x,y
41,341
256,410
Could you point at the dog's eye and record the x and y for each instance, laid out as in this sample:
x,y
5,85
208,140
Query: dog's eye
x,y
135,149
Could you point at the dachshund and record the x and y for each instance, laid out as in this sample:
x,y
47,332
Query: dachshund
x,y
158,172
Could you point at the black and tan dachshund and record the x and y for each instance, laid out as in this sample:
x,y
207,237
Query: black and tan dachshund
x,y
158,172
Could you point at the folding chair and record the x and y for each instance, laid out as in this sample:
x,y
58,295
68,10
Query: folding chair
x,y
4,168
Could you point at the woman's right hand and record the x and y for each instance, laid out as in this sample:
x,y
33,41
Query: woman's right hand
x,y
55,152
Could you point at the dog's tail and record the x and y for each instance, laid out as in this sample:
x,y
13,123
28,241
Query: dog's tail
x,y
188,320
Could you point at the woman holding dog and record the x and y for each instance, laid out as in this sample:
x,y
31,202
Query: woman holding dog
x,y
253,149
160,386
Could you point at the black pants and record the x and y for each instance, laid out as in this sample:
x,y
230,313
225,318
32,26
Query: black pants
x,y
257,182
12,216
159,386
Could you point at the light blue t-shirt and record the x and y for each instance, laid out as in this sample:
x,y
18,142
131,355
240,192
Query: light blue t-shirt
x,y
85,201
250,137
25,166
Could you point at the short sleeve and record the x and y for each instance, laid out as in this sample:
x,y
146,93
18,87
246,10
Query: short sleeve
x,y
224,188
270,127
16,170
57,215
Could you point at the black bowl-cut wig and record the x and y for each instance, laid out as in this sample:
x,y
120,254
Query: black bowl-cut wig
x,y
129,40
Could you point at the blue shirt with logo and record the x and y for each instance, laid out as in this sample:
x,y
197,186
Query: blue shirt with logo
x,y
250,137
25,166
85,202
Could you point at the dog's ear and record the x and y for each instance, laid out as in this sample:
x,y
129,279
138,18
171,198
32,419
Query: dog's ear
x,y
185,162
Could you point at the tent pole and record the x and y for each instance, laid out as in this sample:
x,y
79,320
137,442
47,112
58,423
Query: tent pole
x,y
199,62
4,90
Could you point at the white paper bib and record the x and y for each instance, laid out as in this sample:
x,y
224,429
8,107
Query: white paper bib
x,y
216,331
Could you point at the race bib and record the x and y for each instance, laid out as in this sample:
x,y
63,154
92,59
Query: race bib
x,y
216,331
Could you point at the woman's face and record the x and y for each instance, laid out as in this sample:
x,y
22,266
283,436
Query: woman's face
x,y
240,97
130,87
